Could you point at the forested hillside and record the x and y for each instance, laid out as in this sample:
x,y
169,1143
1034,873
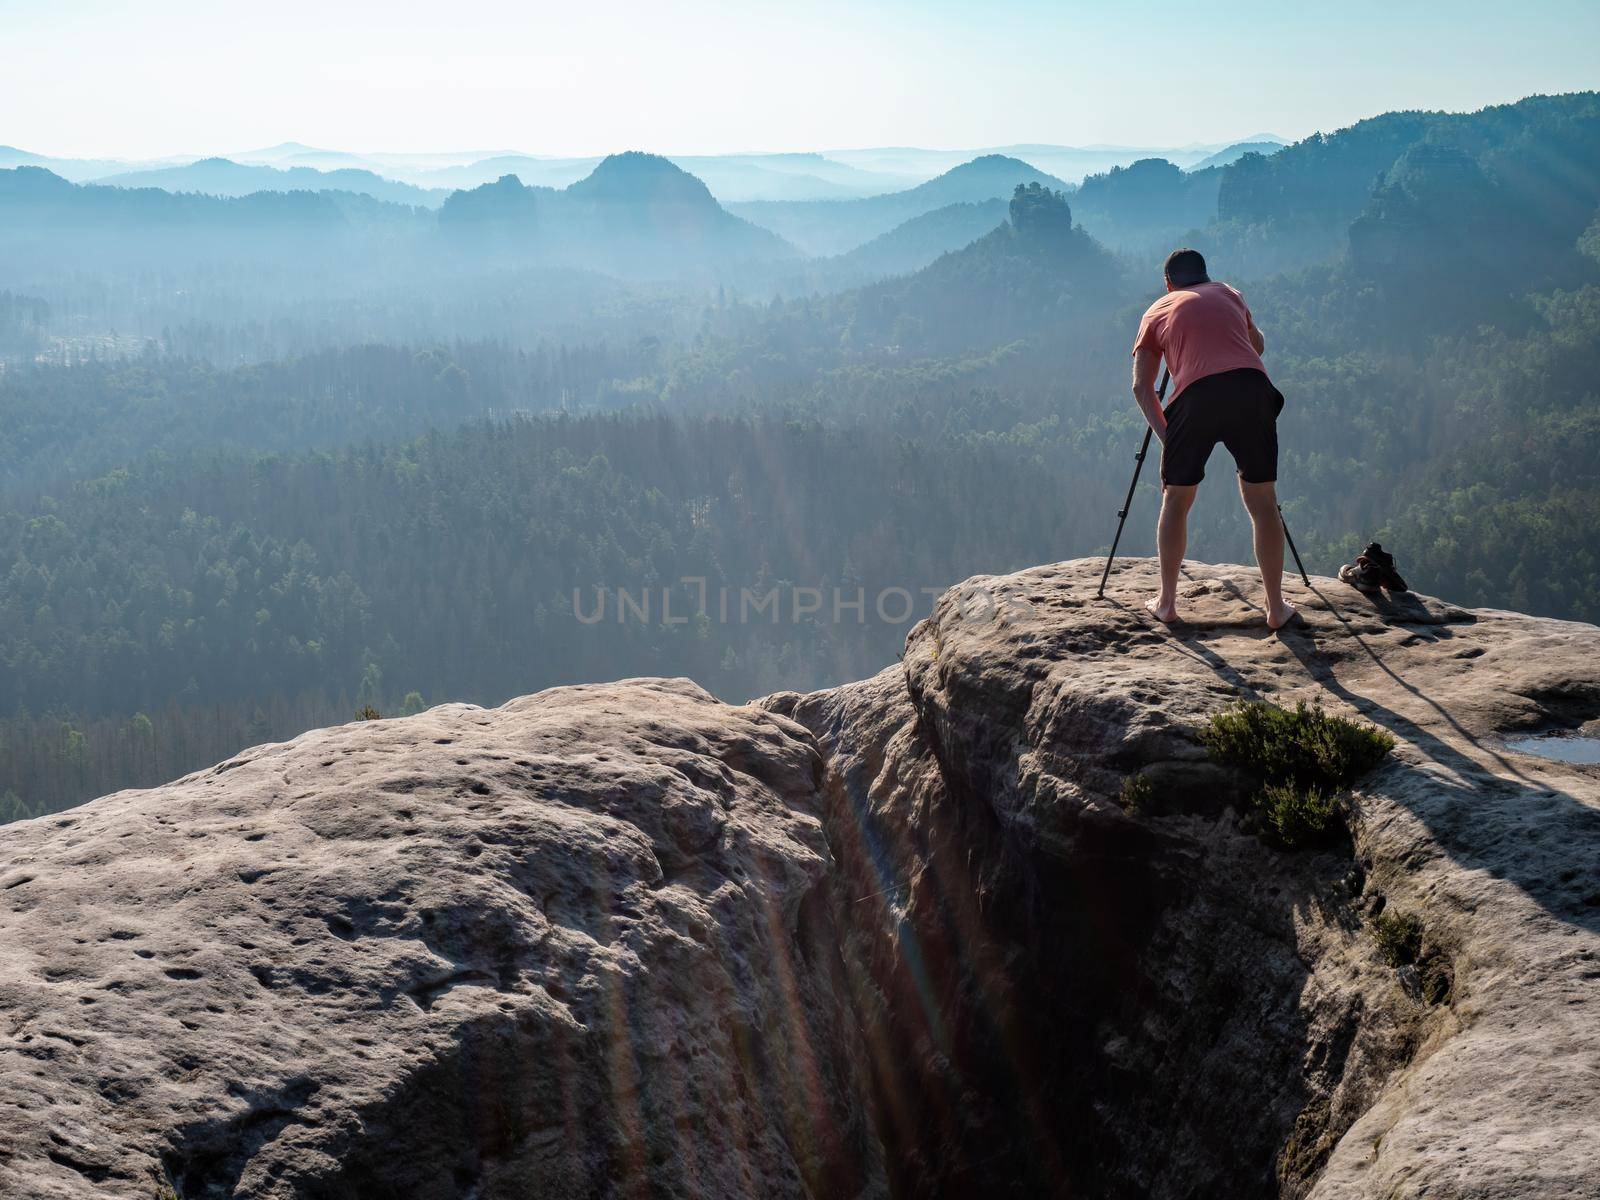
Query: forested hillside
x,y
1148,205
287,507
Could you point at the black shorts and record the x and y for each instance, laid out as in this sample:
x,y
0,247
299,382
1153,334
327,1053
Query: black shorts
x,y
1237,408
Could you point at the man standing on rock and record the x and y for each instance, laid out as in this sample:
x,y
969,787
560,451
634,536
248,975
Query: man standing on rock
x,y
1221,393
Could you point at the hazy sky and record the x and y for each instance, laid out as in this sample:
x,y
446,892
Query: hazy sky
x,y
153,77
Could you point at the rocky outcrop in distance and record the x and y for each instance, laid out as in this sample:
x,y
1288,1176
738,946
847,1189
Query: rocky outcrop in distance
x,y
991,922
634,214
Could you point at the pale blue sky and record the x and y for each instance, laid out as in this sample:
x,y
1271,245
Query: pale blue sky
x,y
153,77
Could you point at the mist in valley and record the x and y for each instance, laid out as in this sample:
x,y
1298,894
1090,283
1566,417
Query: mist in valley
x,y
296,431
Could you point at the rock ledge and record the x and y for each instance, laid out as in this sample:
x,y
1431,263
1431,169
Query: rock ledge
x,y
906,936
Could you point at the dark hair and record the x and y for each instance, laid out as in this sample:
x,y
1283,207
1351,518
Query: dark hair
x,y
1185,267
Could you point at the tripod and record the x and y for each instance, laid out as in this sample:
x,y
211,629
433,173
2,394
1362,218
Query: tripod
x,y
1127,503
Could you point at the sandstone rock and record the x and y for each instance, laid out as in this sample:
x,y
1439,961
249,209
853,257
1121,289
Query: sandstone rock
x,y
915,935
1065,996
571,946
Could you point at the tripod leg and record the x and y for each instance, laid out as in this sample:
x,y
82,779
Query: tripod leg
x,y
1127,503
1127,506
1288,537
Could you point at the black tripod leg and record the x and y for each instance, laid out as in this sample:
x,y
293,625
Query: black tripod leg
x,y
1127,503
1288,537
1127,506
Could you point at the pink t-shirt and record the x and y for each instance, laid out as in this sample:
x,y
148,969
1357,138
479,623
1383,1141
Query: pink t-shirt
x,y
1200,330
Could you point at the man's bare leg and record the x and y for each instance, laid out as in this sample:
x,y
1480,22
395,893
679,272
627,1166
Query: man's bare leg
x,y
1261,501
1172,539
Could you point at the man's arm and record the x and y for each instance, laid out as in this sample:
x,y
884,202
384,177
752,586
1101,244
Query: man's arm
x,y
1256,340
1145,362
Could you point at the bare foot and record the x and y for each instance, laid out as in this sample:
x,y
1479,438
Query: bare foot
x,y
1166,613
1278,617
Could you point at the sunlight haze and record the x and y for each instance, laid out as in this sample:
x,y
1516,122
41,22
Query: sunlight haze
x,y
187,78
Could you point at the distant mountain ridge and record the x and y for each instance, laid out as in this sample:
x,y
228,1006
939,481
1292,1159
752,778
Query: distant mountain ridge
x,y
732,177
1070,163
1297,205
634,213
77,170
1233,153
827,227
48,223
1036,269
738,177
1501,176
1148,202
35,196
914,244
224,177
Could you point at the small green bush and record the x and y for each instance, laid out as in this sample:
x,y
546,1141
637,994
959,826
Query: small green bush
x,y
1294,819
1304,760
1137,792
1402,942
1399,937
1306,747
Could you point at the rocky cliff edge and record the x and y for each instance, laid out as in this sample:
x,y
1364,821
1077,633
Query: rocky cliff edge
x,y
988,922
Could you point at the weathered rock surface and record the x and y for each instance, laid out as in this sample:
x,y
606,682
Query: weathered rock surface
x,y
914,935
1068,996
567,947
